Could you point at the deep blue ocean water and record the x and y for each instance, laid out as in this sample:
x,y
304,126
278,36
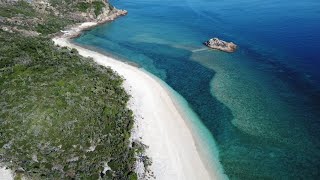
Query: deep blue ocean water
x,y
261,103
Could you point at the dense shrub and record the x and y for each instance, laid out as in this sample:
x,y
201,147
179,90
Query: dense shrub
x,y
83,6
20,8
96,5
61,114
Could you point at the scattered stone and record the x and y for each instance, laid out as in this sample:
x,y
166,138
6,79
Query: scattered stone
x,y
20,170
35,158
74,159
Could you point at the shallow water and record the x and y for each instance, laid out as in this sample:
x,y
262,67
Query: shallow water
x,y
262,103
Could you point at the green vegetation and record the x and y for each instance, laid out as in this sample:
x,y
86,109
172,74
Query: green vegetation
x,y
133,176
96,5
83,6
52,25
58,3
21,8
56,107
48,22
23,16
62,116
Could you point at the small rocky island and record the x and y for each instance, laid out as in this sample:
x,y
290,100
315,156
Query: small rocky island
x,y
216,43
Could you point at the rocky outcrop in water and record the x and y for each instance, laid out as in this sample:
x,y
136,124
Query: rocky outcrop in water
x,y
216,43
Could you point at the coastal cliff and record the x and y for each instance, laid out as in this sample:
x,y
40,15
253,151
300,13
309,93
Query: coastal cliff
x,y
62,115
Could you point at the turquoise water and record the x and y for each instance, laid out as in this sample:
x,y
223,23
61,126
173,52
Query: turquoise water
x,y
262,103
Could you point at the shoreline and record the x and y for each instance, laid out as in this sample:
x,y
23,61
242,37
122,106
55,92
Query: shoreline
x,y
204,141
76,30
175,153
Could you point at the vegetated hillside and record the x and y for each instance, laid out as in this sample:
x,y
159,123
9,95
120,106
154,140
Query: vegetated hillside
x,y
61,115
34,17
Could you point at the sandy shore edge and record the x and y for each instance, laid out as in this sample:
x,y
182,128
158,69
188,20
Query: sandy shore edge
x,y
158,123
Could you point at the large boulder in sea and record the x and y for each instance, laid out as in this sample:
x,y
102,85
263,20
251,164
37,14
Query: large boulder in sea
x,y
216,43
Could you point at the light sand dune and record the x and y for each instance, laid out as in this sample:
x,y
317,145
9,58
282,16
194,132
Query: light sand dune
x,y
5,174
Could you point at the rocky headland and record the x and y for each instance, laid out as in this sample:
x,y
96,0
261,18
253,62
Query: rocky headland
x,y
221,45
47,17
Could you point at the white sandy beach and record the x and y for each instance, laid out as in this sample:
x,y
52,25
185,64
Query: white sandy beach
x,y
158,122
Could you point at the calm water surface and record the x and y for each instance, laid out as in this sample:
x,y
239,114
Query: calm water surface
x,y
262,103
